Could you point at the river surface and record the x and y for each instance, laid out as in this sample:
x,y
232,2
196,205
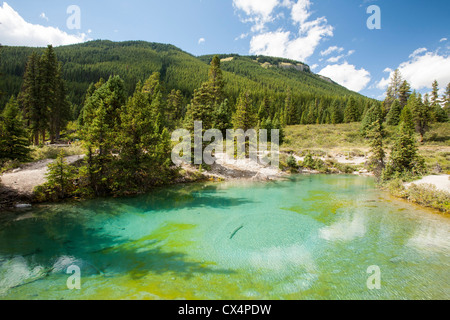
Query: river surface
x,y
311,237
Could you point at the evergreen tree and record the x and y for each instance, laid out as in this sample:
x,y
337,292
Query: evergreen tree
x,y
245,117
422,114
438,113
60,178
139,140
378,155
435,94
393,117
60,114
447,100
405,159
48,93
30,98
174,108
101,122
13,136
264,109
404,93
374,114
393,91
336,113
222,117
351,112
291,112
216,82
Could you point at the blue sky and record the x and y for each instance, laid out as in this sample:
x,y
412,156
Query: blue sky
x,y
330,35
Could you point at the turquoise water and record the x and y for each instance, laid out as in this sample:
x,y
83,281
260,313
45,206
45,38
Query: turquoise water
x,y
311,237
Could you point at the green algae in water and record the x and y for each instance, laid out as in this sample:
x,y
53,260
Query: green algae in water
x,y
306,238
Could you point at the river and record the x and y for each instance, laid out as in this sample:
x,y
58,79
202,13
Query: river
x,y
310,237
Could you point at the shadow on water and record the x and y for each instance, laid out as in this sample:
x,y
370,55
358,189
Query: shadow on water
x,y
48,236
155,260
166,199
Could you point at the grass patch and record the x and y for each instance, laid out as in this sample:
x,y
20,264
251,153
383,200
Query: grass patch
x,y
52,152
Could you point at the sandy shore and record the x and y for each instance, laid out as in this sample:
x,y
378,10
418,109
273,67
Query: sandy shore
x,y
442,182
29,176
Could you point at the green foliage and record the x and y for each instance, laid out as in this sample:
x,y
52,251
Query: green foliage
x,y
351,111
424,195
393,117
373,115
245,117
422,114
292,163
13,136
60,181
84,64
313,163
404,159
43,96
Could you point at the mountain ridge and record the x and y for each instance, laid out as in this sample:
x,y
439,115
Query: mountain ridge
x,y
135,61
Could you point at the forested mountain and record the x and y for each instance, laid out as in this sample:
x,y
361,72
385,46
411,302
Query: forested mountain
x,y
135,61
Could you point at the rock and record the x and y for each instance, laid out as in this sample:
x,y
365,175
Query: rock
x,y
22,206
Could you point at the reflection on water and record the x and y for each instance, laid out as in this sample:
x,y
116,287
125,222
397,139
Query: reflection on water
x,y
306,238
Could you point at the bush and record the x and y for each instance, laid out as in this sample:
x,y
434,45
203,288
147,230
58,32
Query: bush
x,y
292,163
61,181
425,195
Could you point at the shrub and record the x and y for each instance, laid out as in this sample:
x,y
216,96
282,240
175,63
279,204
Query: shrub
x,y
292,163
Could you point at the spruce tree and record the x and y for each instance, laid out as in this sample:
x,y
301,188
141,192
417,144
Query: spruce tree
x,y
60,178
138,138
378,155
13,136
393,91
101,122
207,99
404,94
374,114
405,159
245,117
48,66
336,113
351,111
393,117
291,112
422,114
174,108
446,99
30,98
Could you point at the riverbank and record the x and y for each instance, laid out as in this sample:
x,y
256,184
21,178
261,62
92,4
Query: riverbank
x,y
18,185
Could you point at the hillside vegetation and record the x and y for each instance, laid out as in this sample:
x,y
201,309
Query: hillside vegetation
x,y
134,61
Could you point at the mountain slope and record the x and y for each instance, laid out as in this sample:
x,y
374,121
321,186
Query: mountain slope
x,y
136,60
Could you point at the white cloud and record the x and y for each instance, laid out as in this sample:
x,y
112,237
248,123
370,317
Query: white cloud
x,y
263,8
43,16
314,67
300,11
418,52
443,40
259,11
330,50
298,46
335,59
201,40
15,31
421,70
347,75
